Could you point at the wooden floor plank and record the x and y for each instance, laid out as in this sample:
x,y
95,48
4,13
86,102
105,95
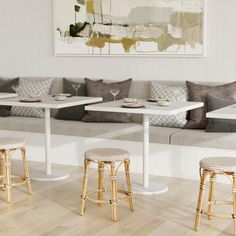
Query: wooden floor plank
x,y
53,210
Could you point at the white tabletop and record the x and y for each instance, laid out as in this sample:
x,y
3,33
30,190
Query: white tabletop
x,y
228,112
150,107
7,95
50,102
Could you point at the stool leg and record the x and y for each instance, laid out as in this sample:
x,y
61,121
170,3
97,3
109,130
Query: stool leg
x,y
114,202
3,171
128,181
234,202
85,185
200,200
1,168
211,196
26,170
7,179
100,182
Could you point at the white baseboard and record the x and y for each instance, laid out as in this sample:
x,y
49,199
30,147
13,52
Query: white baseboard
x,y
165,160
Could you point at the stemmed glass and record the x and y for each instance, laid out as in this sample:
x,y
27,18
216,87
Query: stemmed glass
x,y
76,87
114,92
15,88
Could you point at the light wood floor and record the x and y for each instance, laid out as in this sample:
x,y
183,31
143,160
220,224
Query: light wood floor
x,y
53,210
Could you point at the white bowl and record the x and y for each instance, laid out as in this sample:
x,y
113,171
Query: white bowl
x,y
130,100
60,98
163,103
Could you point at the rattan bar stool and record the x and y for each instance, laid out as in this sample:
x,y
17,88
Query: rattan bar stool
x,y
7,147
214,166
107,157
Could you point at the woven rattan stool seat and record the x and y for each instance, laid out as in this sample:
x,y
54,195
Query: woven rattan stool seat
x,y
8,146
11,143
109,159
213,167
106,155
219,164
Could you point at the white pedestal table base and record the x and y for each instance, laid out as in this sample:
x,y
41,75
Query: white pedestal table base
x,y
54,176
154,188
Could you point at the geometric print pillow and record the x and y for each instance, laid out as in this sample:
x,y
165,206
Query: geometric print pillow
x,y
29,88
173,94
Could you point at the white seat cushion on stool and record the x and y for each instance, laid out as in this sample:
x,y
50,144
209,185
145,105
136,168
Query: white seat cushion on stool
x,y
11,143
106,154
220,164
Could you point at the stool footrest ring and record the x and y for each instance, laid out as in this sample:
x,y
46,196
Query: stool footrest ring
x,y
94,200
217,215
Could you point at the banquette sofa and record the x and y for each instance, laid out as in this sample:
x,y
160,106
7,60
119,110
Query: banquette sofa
x,y
122,131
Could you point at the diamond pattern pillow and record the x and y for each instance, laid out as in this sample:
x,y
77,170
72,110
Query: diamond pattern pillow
x,y
31,88
173,94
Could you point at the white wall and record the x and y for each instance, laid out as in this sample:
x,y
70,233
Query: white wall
x,y
26,48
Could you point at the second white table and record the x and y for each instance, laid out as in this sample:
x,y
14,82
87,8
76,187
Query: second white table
x,y
149,109
47,103
228,112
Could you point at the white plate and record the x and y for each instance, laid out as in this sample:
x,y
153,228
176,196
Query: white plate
x,y
133,105
30,100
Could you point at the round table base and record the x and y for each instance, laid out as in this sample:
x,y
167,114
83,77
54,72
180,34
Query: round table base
x,y
42,176
154,188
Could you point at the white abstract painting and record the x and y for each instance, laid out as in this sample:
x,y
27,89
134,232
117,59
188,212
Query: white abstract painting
x,y
129,27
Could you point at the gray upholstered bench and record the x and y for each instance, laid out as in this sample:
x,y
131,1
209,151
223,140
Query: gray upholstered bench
x,y
122,131
116,131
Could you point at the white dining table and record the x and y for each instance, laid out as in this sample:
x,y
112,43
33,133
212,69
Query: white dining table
x,y
146,187
47,103
7,95
228,112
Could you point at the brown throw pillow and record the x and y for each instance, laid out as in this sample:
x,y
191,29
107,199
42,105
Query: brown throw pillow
x,y
199,93
219,125
6,87
75,112
95,89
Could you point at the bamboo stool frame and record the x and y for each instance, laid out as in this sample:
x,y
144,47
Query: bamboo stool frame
x,y
211,197
114,201
5,172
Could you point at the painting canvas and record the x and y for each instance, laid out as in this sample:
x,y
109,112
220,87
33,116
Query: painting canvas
x,y
129,27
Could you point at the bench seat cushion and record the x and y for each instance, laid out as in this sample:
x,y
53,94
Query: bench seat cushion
x,y
200,138
116,131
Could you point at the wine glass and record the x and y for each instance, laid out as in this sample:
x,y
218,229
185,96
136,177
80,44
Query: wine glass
x,y
76,87
114,92
15,88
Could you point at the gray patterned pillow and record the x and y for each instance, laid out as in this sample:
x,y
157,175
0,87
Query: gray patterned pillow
x,y
31,88
173,94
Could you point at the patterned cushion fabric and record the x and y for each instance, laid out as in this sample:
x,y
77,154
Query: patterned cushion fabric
x,y
199,93
31,88
98,89
11,143
106,154
174,94
76,112
219,125
6,87
219,164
